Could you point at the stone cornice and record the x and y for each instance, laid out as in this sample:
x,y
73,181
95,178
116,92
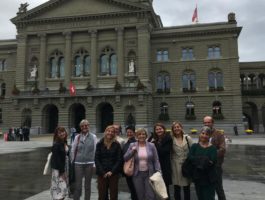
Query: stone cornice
x,y
195,32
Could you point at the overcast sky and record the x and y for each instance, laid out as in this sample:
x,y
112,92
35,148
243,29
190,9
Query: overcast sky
x,y
249,14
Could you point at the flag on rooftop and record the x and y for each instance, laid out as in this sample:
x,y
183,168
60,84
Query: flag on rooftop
x,y
195,15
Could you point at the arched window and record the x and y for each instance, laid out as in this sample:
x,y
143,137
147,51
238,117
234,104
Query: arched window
x,y
190,111
61,67
86,65
262,81
3,65
163,116
1,115
163,83
113,64
3,89
82,63
78,66
53,67
57,65
217,110
215,80
108,62
188,81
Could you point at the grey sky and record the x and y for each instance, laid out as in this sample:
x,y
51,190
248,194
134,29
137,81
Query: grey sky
x,y
249,14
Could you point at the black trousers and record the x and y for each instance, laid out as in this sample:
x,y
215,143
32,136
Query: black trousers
x,y
219,184
177,192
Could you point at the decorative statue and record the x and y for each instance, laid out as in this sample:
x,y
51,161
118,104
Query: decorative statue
x,y
131,66
23,8
33,73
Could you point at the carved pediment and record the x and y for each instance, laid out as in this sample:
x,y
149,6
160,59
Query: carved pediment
x,y
56,9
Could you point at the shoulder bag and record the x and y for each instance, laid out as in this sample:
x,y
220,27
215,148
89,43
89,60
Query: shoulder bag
x,y
128,167
47,167
187,167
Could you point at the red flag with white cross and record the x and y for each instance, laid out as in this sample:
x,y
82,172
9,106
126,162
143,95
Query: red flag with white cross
x,y
72,89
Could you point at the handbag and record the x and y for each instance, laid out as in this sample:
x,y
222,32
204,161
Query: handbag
x,y
187,166
157,183
47,168
128,167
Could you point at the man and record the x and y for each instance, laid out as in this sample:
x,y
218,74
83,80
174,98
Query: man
x,y
83,154
117,133
218,140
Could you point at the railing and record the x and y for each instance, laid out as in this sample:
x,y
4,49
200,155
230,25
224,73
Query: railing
x,y
81,92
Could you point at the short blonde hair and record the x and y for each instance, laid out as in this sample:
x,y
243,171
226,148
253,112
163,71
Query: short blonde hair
x,y
141,130
84,121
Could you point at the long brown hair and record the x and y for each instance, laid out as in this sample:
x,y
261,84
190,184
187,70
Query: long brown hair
x,y
56,137
162,126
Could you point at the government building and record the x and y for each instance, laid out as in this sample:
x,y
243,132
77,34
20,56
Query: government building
x,y
113,61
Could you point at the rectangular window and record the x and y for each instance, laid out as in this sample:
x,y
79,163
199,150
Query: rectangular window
x,y
162,55
214,52
187,54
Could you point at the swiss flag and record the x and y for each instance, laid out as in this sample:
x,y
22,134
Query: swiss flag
x,y
195,15
72,89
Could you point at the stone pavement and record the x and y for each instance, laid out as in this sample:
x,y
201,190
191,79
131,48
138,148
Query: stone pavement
x,y
234,189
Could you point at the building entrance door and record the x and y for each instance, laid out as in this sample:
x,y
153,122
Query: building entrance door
x,y
105,116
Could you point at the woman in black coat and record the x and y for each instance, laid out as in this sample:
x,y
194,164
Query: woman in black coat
x,y
163,142
59,165
108,160
130,131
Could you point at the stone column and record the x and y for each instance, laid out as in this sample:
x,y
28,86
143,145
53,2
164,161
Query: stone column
x,y
68,58
42,68
21,68
93,52
143,53
120,55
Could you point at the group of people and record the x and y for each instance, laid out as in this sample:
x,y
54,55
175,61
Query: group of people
x,y
163,151
18,134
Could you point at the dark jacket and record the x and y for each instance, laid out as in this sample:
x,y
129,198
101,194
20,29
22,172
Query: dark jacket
x,y
58,157
164,148
127,144
108,159
218,140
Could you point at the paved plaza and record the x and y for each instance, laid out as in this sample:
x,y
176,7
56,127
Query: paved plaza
x,y
248,186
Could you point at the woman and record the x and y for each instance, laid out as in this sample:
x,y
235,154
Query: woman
x,y
108,160
180,150
130,131
146,163
204,156
163,142
59,165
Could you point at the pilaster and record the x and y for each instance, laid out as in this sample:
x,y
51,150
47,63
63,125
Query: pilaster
x,y
143,52
42,68
67,57
120,54
21,61
93,52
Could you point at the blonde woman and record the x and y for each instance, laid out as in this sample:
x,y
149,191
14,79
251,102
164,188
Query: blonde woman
x,y
180,150
146,163
108,160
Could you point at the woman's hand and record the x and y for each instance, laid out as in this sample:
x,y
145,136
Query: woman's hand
x,y
63,176
108,174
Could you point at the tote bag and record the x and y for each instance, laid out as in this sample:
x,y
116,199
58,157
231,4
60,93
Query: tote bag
x,y
47,168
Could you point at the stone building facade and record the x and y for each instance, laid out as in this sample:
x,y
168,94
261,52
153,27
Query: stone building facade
x,y
125,66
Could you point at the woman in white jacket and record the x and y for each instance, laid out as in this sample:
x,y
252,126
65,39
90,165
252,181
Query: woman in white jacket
x,y
180,152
